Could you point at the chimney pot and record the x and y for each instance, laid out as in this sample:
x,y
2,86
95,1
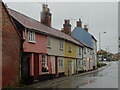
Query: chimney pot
x,y
67,27
86,28
79,23
46,15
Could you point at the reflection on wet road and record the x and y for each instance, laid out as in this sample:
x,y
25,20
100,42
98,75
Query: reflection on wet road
x,y
107,78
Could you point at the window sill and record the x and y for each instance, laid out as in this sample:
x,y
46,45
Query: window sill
x,y
32,42
70,51
45,72
49,47
61,49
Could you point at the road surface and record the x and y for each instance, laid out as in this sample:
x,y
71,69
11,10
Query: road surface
x,y
107,78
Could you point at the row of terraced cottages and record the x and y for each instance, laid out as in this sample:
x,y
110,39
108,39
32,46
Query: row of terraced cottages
x,y
47,52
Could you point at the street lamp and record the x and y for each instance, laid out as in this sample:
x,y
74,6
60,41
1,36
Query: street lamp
x,y
100,39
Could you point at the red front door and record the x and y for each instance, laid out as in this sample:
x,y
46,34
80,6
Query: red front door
x,y
36,67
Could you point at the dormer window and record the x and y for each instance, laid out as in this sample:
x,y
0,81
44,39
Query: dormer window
x,y
31,36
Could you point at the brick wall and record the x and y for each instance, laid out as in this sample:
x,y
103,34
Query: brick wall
x,y
10,52
0,46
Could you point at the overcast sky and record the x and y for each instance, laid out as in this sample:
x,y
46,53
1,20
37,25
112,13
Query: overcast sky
x,y
101,17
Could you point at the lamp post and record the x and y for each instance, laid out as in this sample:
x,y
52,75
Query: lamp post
x,y
100,42
100,39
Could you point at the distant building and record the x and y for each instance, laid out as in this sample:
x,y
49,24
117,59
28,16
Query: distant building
x,y
86,38
102,55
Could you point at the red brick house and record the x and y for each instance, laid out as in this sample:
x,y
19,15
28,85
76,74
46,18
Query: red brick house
x,y
11,44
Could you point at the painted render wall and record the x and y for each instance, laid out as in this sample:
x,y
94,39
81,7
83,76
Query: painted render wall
x,y
70,56
55,51
55,48
79,67
88,63
40,45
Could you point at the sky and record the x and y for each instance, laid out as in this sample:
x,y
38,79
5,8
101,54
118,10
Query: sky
x,y
100,17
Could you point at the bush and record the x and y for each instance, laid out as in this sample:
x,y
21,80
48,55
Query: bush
x,y
99,64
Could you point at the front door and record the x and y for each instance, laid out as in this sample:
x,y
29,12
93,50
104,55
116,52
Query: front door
x,y
69,67
26,68
56,66
72,66
36,66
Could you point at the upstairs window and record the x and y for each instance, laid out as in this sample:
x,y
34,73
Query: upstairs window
x,y
80,50
84,50
88,50
31,36
70,47
49,42
61,44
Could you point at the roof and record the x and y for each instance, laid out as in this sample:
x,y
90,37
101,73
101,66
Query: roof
x,y
83,43
30,23
80,34
94,38
101,51
3,5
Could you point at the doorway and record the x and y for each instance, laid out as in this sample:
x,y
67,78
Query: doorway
x,y
36,66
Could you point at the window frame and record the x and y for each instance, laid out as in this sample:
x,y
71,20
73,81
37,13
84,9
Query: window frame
x,y
49,43
84,50
45,62
31,36
60,62
61,45
80,50
70,47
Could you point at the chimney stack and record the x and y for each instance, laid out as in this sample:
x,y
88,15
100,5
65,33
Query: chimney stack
x,y
67,27
79,23
46,15
86,28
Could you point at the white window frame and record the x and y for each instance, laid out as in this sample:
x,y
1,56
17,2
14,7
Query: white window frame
x,y
79,63
31,36
70,47
60,62
61,44
79,50
44,62
69,63
85,50
49,44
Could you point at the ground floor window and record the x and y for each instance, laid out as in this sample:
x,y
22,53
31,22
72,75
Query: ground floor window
x,y
69,63
79,63
44,63
60,62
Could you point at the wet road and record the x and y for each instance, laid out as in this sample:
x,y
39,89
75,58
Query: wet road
x,y
107,78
